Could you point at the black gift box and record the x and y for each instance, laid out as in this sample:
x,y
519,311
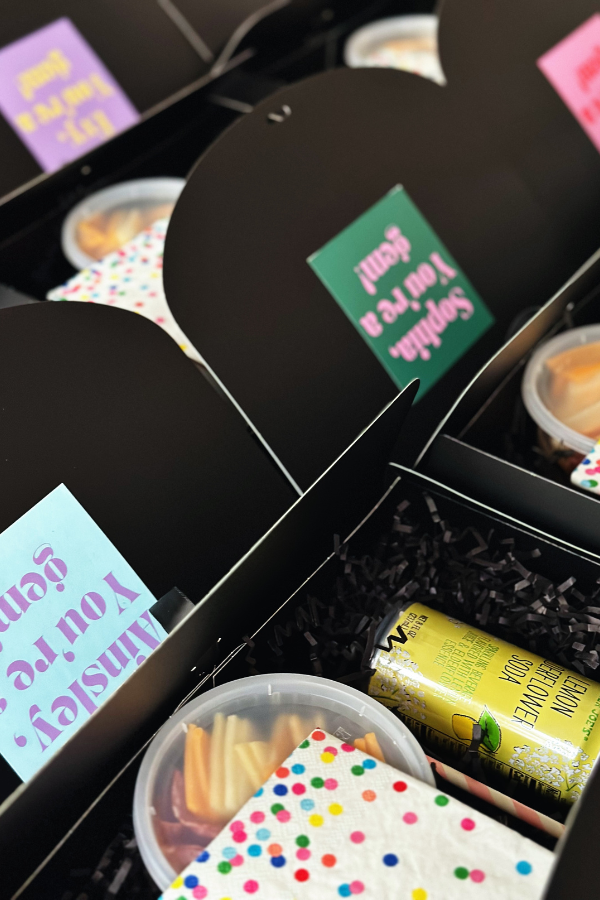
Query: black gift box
x,y
468,450
557,560
265,571
278,566
494,160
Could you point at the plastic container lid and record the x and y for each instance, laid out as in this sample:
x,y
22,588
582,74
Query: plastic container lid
x,y
536,383
340,710
401,42
138,201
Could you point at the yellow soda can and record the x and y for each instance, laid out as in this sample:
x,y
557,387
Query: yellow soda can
x,y
538,719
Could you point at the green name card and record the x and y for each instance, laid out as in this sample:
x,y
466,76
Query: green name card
x,y
404,292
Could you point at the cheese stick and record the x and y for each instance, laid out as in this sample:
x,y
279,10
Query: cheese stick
x,y
230,764
250,765
373,748
196,771
217,764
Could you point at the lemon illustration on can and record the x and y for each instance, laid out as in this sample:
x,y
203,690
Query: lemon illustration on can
x,y
463,727
491,734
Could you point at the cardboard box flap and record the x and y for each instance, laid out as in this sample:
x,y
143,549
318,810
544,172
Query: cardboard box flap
x,y
563,511
292,182
238,25
518,213
556,561
578,845
105,402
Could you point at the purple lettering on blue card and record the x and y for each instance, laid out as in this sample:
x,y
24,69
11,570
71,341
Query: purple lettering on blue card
x,y
74,625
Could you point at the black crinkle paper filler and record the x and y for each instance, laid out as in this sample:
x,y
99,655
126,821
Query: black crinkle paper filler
x,y
483,580
119,874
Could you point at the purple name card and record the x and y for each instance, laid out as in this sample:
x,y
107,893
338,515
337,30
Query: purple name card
x,y
58,95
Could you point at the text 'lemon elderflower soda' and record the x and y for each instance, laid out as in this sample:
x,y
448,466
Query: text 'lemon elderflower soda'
x,y
538,719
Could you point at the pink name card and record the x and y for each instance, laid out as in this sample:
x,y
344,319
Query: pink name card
x,y
573,68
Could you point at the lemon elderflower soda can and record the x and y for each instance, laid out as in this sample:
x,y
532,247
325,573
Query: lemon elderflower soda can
x,y
538,719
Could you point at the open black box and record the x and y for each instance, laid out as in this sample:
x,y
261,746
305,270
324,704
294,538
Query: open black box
x,y
557,560
259,583
469,450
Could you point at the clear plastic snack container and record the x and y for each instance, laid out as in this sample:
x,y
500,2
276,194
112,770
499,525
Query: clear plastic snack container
x,y
218,749
407,42
561,392
112,217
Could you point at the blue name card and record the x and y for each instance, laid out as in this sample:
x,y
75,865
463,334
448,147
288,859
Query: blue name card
x,y
74,624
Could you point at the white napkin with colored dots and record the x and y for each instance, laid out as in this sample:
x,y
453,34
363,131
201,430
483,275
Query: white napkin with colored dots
x,y
131,278
333,822
587,473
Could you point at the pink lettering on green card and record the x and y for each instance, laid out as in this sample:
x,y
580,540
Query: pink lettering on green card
x,y
403,291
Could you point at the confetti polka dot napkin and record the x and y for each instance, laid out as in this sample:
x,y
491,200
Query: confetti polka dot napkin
x,y
587,473
333,822
131,278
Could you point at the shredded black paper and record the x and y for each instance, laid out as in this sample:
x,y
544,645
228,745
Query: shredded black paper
x,y
118,875
484,579
481,579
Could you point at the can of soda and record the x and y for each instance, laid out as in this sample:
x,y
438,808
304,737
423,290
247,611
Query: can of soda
x,y
538,719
